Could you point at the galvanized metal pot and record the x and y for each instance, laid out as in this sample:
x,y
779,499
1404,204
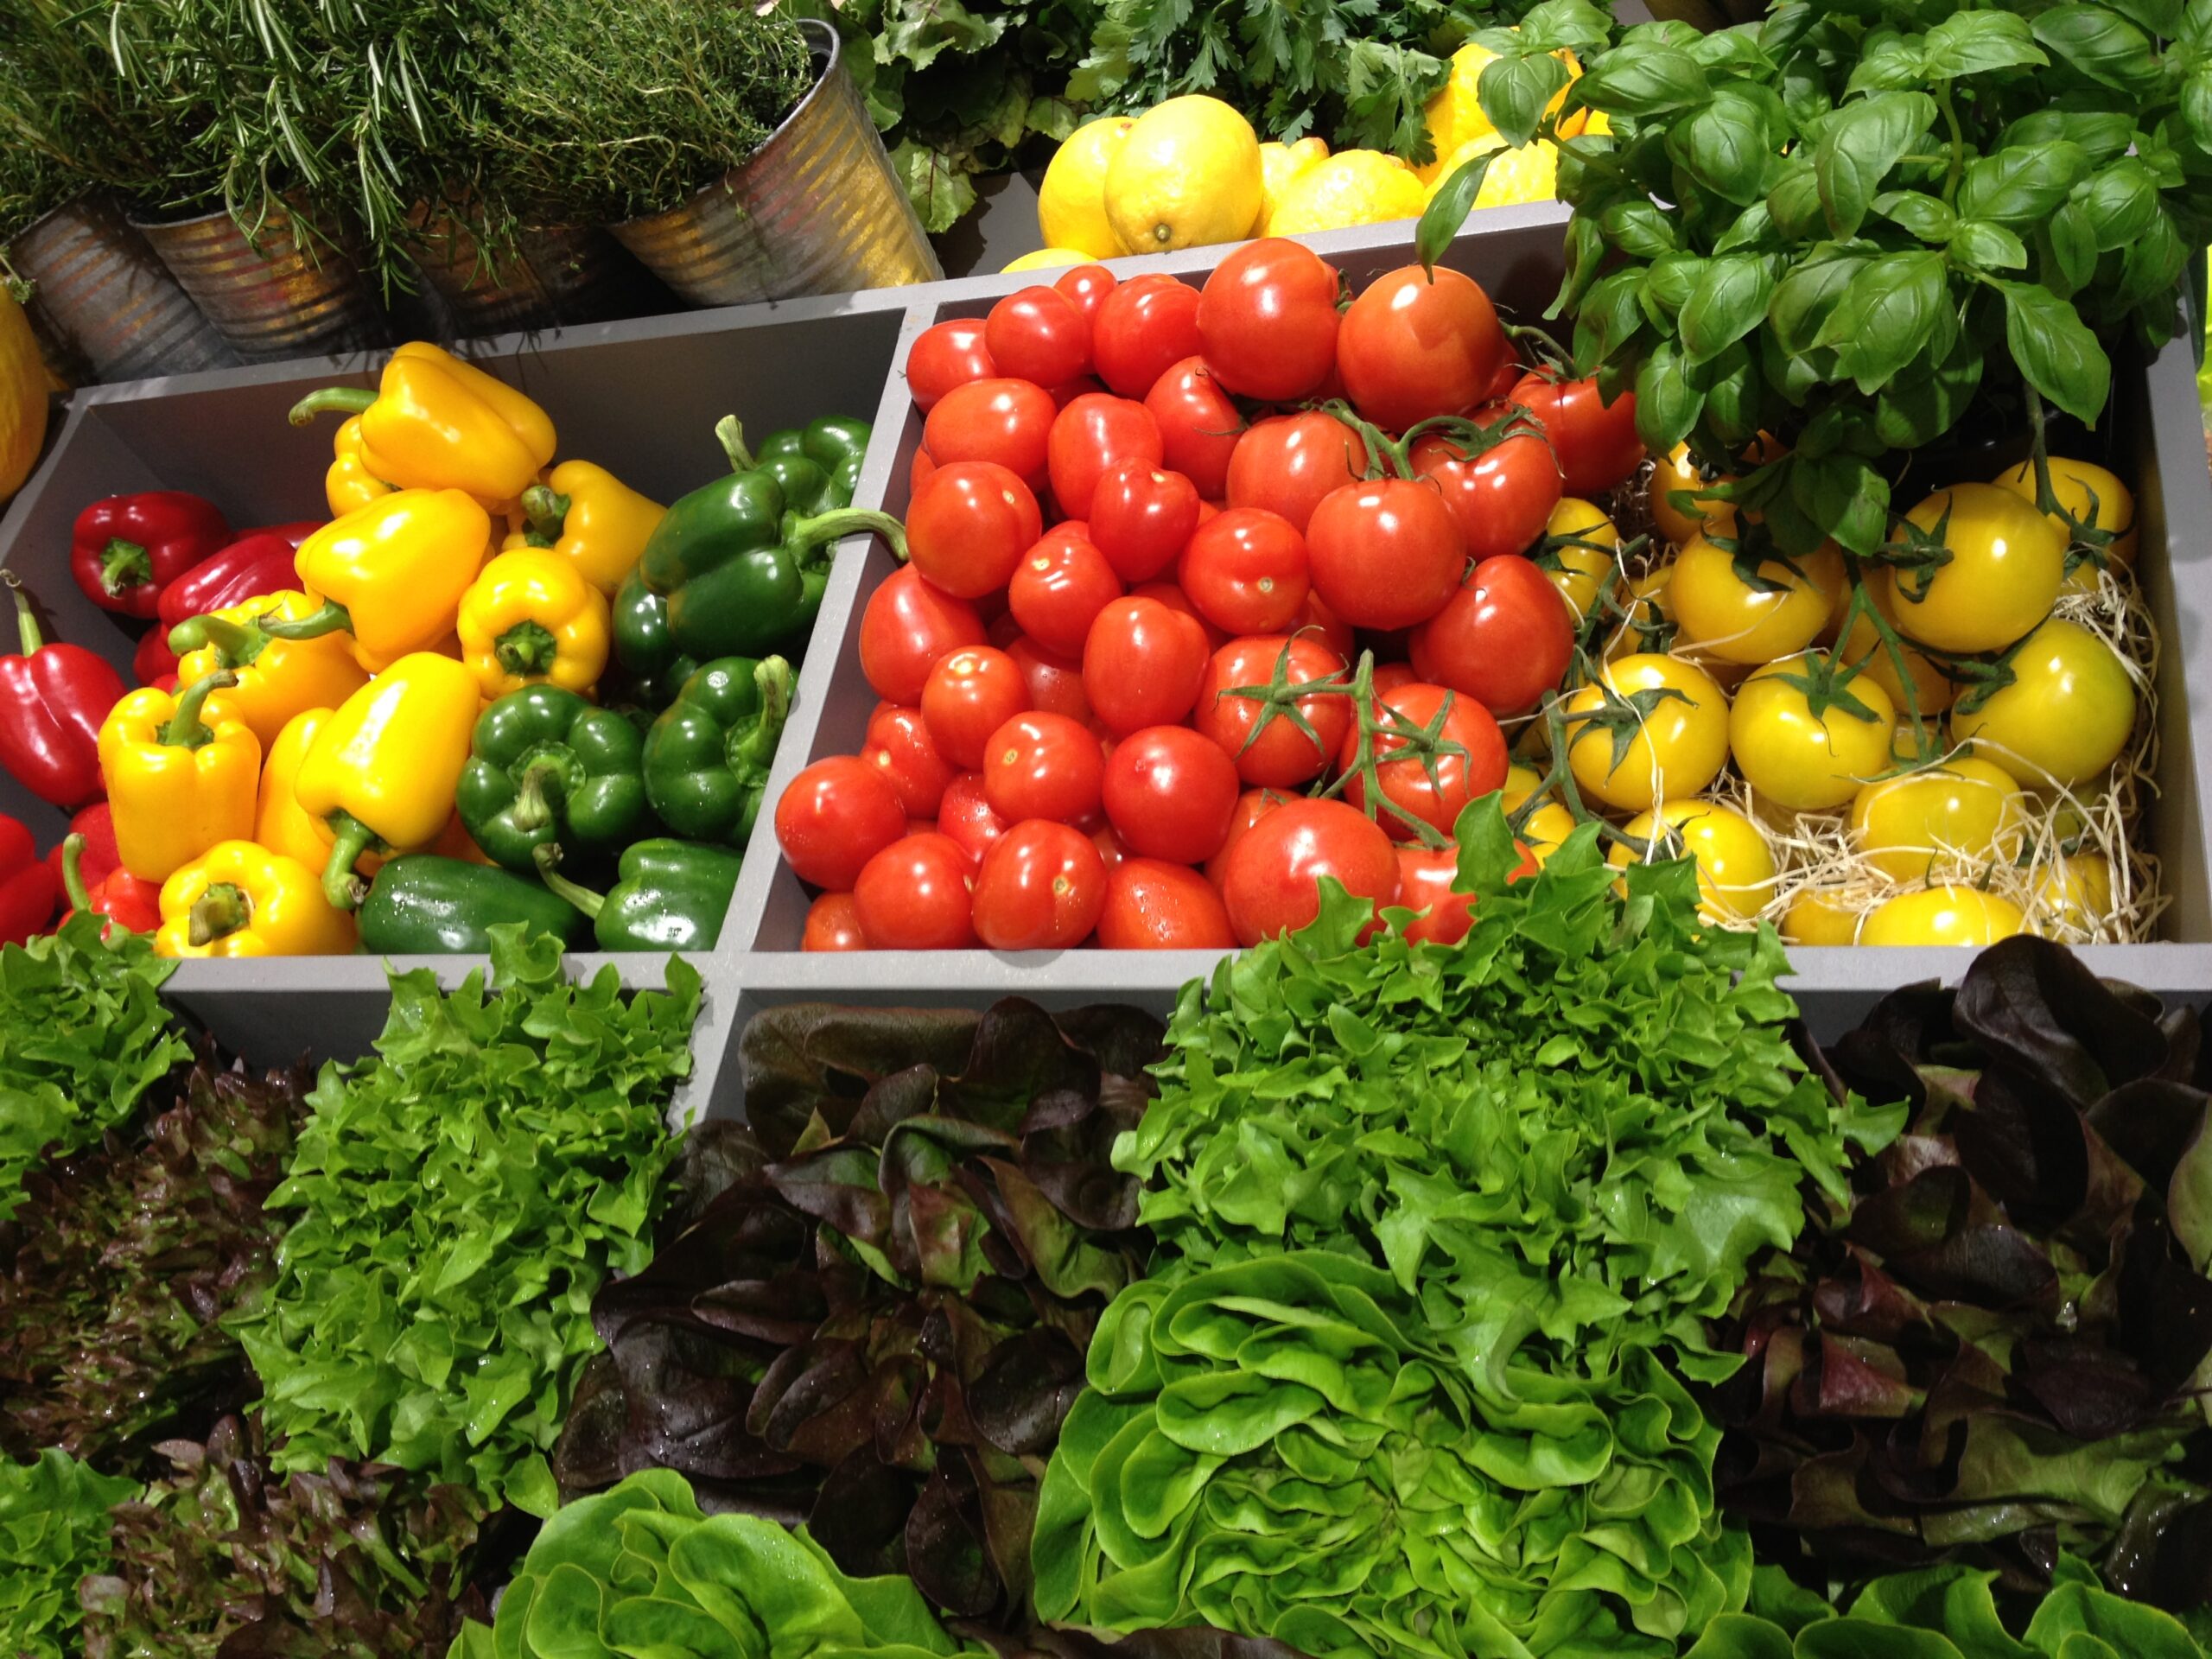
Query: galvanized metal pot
x,y
816,210
279,295
556,276
104,307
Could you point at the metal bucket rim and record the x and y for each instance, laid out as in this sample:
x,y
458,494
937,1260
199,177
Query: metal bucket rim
x,y
830,57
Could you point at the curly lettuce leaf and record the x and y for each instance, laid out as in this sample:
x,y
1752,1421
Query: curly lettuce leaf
x,y
54,1531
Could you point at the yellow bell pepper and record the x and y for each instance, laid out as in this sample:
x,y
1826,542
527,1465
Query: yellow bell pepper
x,y
181,770
277,678
436,422
392,573
280,823
348,485
591,518
382,770
531,617
239,900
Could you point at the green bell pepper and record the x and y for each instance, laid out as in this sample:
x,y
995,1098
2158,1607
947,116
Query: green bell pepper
x,y
707,756
423,905
742,570
671,895
817,464
547,767
653,670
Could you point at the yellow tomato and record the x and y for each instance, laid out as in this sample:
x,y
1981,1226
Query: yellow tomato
x,y
1805,761
1820,916
1947,915
1582,570
2076,888
1676,748
2065,717
2096,497
2000,581
1956,816
1735,866
1521,782
1547,826
1047,260
1721,613
1679,471
1932,690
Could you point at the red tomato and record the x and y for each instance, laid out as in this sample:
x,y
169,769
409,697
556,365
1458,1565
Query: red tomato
x,y
969,526
1060,586
970,695
1504,639
1246,571
1268,320
1088,436
1281,757
1170,794
835,816
1425,879
1043,766
1005,421
1198,424
948,355
1406,776
1321,623
1142,664
1068,390
1038,334
1055,682
1087,286
966,816
1251,806
1389,676
1141,518
1112,849
1385,554
1597,443
1041,887
1154,905
1411,348
913,895
908,626
898,745
1288,463
1272,880
832,924
1147,324
1172,595
918,471
1502,497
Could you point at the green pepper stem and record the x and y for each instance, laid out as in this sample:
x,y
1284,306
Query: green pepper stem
x,y
531,809
349,400
527,650
218,913
25,622
731,435
235,643
773,678
330,617
340,885
547,512
806,533
124,565
185,729
559,884
73,873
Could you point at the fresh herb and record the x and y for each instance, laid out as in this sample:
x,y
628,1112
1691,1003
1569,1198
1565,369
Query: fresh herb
x,y
222,1556
642,1569
54,1530
83,1036
878,1330
126,1257
1996,1353
460,1199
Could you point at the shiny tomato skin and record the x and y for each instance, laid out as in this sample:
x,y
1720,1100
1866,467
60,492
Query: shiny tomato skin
x,y
1597,443
1425,879
1171,594
1000,420
1251,806
1502,499
1170,794
1413,347
1390,677
969,526
1141,518
1282,756
1405,778
966,816
1289,463
914,895
1037,333
1041,887
1112,849
1385,554
970,695
1200,424
1141,665
1320,622
908,626
1504,639
835,815
1271,883
1147,324
1043,766
946,355
1055,682
919,470
1087,286
1089,435
1247,572
832,924
1152,904
1060,586
1268,320
898,745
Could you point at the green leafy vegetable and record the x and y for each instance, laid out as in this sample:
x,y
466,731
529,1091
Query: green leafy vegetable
x,y
460,1199
54,1530
83,1036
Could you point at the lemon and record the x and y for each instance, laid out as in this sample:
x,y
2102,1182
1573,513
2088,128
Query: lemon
x,y
1454,116
1529,174
1049,259
1187,176
1358,186
1279,164
1072,202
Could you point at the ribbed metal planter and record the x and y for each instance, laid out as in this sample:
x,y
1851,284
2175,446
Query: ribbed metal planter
x,y
817,210
279,299
557,276
105,307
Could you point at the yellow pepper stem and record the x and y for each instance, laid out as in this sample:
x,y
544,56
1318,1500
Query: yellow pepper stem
x,y
185,729
330,617
350,400
583,899
526,650
219,912
340,885
235,644
547,512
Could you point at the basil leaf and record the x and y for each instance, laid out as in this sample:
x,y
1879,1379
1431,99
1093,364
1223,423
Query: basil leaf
x,y
1805,299
1754,228
1666,405
2197,106
1643,83
1611,316
1734,407
1975,42
1729,301
1986,246
2021,186
1927,398
1847,496
1857,147
2121,203
1513,94
1726,147
1885,316
2072,244
1888,61
1929,218
1637,228
2098,134
2099,43
2055,352
1793,203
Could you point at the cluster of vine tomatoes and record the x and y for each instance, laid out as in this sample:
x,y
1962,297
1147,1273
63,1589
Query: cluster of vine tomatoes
x,y
1211,592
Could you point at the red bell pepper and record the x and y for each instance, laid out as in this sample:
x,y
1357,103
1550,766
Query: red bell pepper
x,y
26,887
52,699
126,548
154,663
254,565
125,900
96,823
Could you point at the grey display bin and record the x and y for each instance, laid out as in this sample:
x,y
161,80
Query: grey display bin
x,y
1515,254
